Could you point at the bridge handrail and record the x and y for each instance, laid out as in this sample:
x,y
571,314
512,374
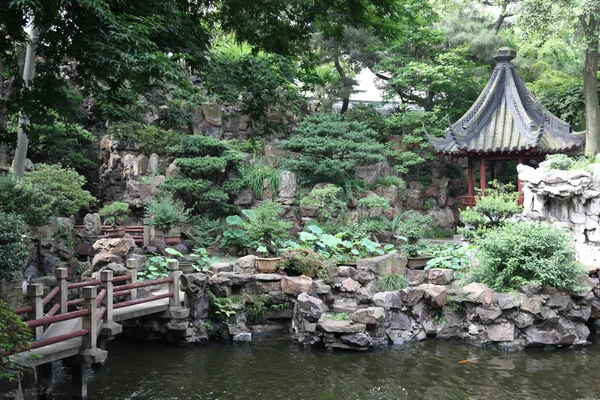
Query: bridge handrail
x,y
56,318
144,300
142,284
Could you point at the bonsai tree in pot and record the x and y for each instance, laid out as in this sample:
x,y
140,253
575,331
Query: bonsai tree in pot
x,y
265,226
412,228
113,213
164,212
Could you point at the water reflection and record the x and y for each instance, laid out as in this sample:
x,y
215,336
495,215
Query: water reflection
x,y
280,369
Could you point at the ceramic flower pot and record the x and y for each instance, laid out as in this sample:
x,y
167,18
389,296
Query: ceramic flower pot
x,y
419,262
267,265
172,240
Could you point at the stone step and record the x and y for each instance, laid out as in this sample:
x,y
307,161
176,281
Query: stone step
x,y
334,326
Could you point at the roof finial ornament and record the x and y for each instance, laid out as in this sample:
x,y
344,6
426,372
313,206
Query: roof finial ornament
x,y
504,54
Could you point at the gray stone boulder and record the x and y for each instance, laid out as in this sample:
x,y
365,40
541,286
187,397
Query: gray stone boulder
x,y
440,276
477,293
387,300
369,315
287,185
333,326
102,259
117,246
410,296
357,340
435,295
225,266
384,265
118,269
507,300
503,332
92,225
295,285
245,265
488,314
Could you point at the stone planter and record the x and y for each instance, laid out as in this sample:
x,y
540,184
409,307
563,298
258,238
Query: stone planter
x,y
267,265
172,240
232,251
115,233
419,262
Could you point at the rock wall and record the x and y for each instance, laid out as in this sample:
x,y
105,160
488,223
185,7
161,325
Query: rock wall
x,y
434,305
569,200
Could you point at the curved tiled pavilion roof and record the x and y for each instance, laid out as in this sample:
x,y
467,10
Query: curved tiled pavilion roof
x,y
507,118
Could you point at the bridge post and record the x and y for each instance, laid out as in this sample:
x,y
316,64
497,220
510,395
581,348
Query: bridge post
x,y
106,277
89,321
173,267
34,293
63,295
133,265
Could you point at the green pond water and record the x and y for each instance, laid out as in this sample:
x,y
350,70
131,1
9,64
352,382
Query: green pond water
x,y
278,368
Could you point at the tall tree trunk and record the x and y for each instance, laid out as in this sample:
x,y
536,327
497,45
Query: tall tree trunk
x,y
590,83
23,124
343,77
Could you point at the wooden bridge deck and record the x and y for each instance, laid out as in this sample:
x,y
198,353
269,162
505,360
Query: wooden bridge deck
x,y
71,347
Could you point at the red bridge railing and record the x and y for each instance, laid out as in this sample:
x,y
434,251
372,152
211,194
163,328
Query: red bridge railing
x,y
96,302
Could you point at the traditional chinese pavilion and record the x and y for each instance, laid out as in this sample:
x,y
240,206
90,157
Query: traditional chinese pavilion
x,y
506,123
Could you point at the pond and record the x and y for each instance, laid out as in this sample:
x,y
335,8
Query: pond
x,y
277,368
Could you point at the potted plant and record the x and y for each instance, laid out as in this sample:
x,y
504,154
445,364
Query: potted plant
x,y
302,261
163,212
235,236
411,229
265,263
111,213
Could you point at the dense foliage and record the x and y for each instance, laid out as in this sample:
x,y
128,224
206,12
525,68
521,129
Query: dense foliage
x,y
495,205
13,246
148,138
15,337
64,185
526,253
164,212
23,198
303,261
265,224
207,164
326,201
329,148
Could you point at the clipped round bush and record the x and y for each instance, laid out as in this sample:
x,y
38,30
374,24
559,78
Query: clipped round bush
x,y
13,247
525,253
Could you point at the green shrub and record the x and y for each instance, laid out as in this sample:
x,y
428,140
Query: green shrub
x,y
303,261
451,256
392,282
525,253
13,247
64,185
495,205
413,226
21,197
15,337
327,201
208,164
329,148
113,211
164,212
266,225
337,316
372,202
206,231
253,178
62,143
566,163
148,138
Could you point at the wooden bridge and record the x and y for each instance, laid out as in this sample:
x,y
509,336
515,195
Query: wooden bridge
x,y
78,329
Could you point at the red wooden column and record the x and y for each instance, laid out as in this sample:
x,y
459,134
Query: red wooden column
x,y
482,174
470,178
